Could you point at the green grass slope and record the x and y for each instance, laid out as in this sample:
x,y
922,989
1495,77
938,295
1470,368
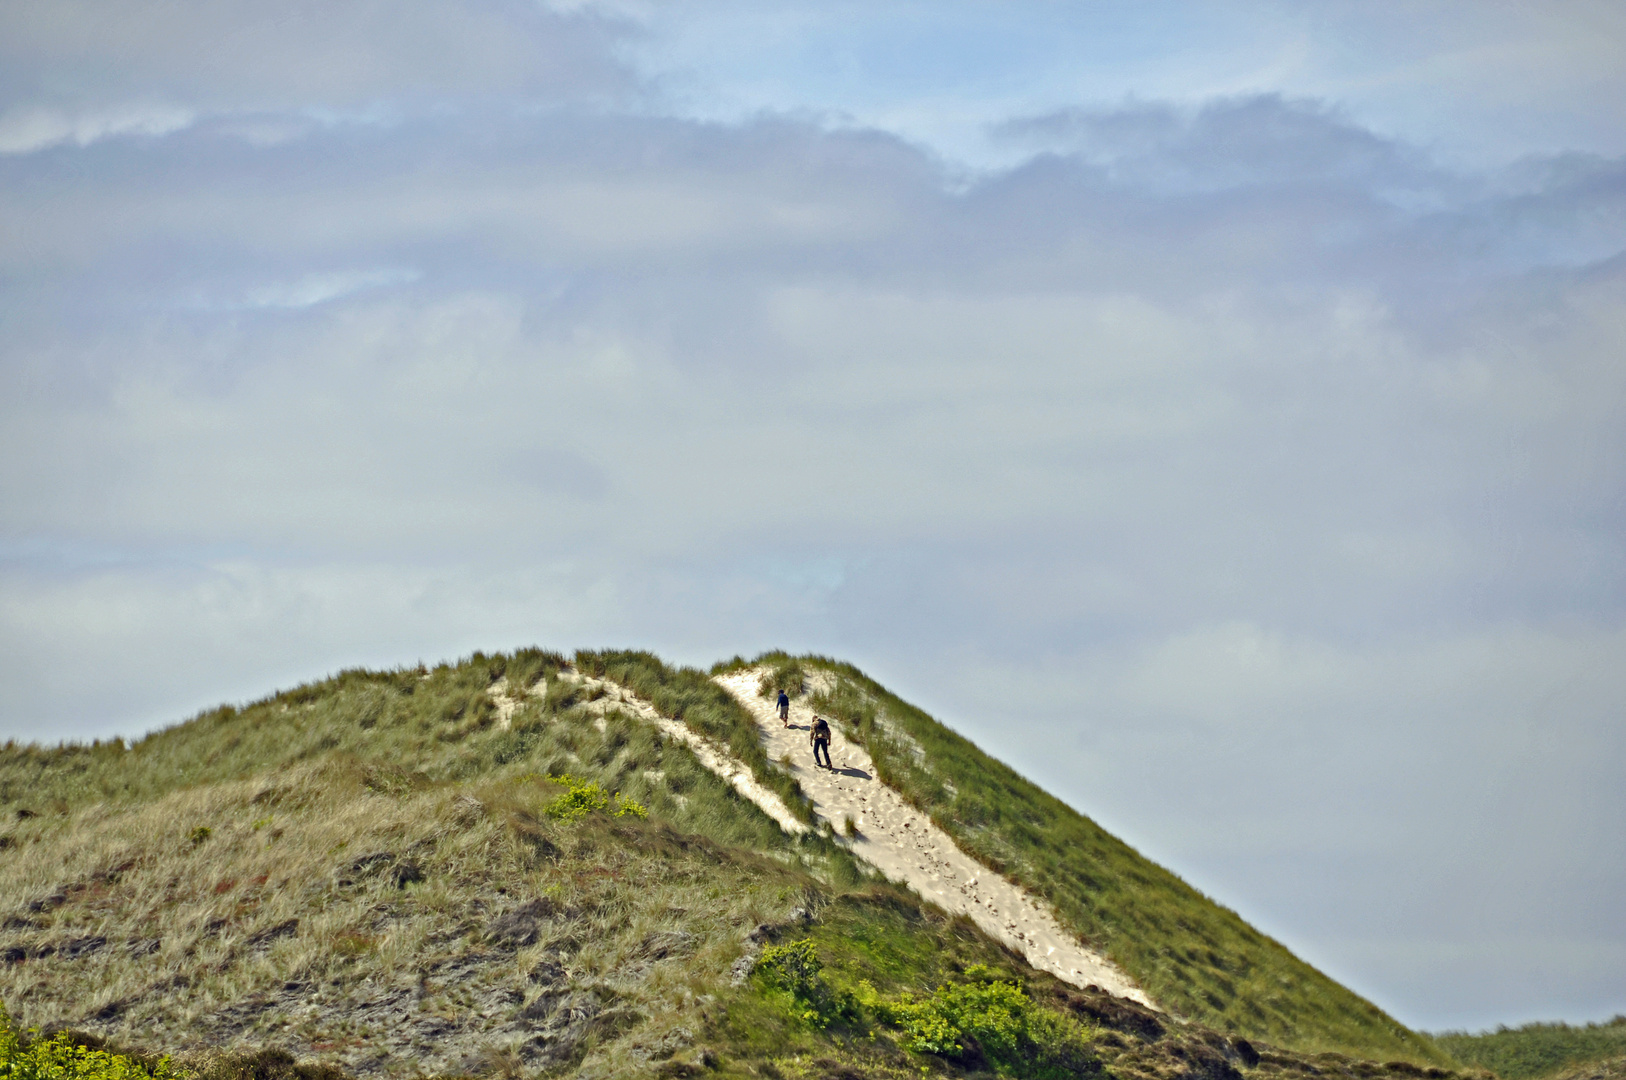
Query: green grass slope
x,y
1537,1051
373,875
1193,956
440,722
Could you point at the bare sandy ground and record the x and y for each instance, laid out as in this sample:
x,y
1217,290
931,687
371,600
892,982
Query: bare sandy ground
x,y
905,845
506,705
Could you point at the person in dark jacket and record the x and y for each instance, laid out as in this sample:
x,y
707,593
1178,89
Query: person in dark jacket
x,y
784,707
819,736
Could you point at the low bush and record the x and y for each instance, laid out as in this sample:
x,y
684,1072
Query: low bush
x,y
982,1021
583,797
793,969
993,1020
26,1056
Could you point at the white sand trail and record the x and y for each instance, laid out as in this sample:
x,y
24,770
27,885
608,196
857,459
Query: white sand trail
x,y
904,844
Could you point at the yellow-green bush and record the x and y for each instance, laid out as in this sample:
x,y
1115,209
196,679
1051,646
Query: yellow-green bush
x,y
794,969
993,1018
60,1057
583,797
984,1017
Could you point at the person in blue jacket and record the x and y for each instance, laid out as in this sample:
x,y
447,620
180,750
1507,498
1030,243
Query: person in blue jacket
x,y
784,707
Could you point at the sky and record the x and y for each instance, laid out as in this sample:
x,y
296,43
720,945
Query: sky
x,y
1217,411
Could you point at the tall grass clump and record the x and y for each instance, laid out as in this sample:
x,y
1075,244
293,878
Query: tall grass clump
x,y
787,676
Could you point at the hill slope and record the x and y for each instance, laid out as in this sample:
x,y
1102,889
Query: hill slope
x,y
498,865
1193,956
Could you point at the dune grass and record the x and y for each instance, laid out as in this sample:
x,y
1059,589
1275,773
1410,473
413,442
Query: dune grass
x,y
423,725
335,873
315,896
373,874
1194,956
689,695
1535,1051
276,873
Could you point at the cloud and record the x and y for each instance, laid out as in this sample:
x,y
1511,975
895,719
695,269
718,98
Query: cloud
x,y
1238,469
319,288
24,130
83,71
1254,140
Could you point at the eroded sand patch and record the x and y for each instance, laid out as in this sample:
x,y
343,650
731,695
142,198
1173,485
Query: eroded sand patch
x,y
506,704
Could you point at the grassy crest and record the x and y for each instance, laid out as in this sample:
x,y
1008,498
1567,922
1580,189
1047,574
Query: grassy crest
x,y
1192,955
439,721
434,725
1535,1051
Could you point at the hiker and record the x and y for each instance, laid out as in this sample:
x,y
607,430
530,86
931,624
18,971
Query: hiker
x,y
784,707
819,736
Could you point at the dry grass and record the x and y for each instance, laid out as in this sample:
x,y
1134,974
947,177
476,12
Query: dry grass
x,y
300,904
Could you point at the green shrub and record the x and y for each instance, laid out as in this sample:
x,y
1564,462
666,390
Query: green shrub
x,y
62,1057
625,807
983,1018
994,1019
583,797
794,969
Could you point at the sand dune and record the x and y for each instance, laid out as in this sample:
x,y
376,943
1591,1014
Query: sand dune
x,y
904,844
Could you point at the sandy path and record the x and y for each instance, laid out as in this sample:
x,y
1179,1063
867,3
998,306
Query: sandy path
x,y
905,845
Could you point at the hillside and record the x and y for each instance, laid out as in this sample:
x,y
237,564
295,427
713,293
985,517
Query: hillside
x,y
504,865
1195,957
